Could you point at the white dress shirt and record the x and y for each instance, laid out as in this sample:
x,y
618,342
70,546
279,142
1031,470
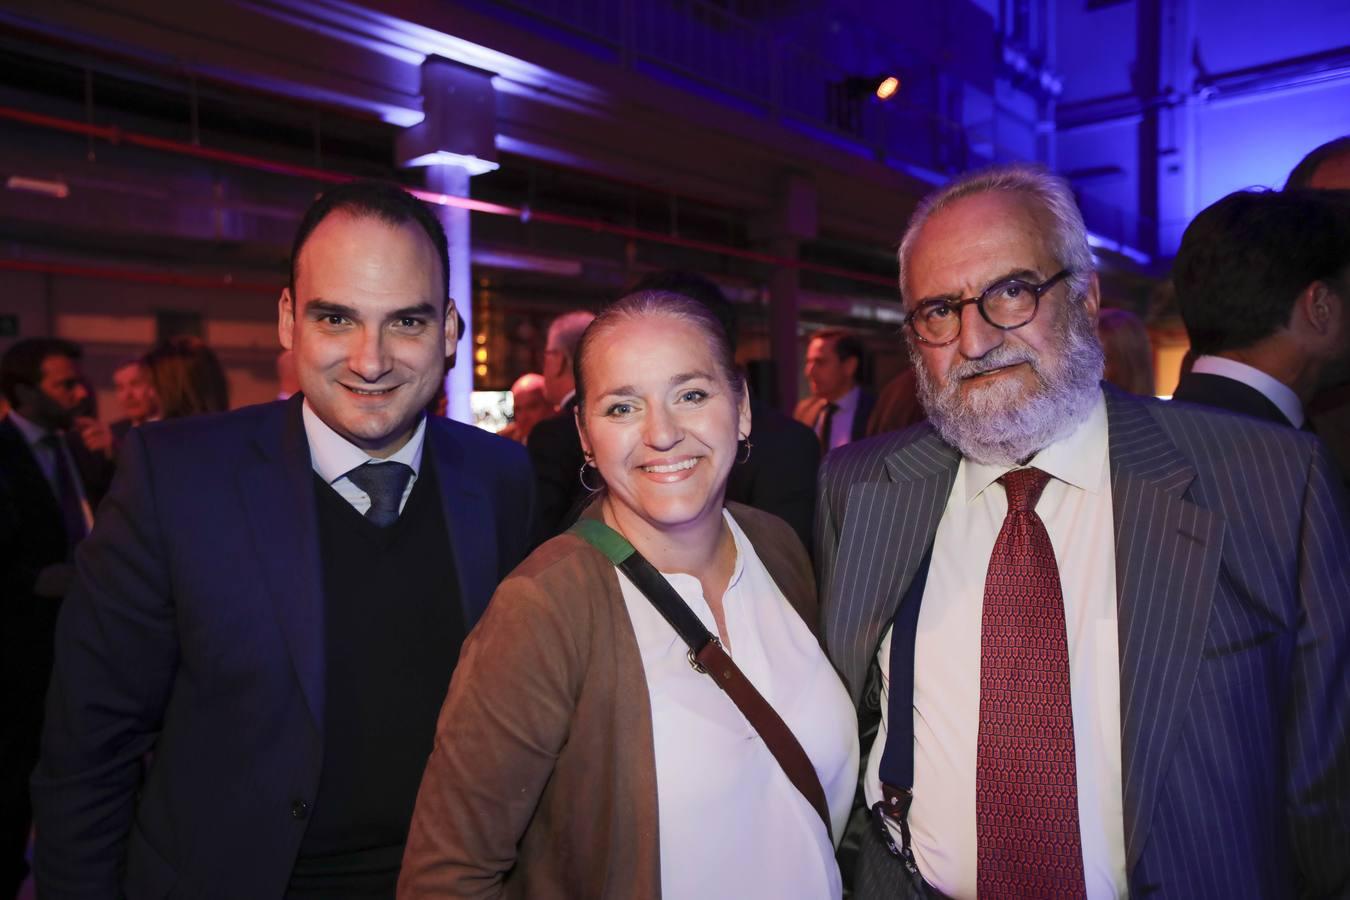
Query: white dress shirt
x,y
731,823
333,456
1276,392
45,455
841,426
1076,510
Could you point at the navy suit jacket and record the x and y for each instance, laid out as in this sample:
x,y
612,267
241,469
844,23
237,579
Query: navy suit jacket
x,y
1227,393
184,733
1233,600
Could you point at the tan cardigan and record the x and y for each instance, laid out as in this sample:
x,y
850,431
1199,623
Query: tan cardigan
x,y
542,783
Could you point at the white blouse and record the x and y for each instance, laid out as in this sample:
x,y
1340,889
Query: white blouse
x,y
731,823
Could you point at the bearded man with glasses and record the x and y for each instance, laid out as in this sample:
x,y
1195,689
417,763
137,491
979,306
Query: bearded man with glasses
x,y
1106,637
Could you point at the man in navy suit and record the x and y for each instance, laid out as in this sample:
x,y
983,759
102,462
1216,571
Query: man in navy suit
x,y
1108,635
265,619
46,507
1263,284
839,406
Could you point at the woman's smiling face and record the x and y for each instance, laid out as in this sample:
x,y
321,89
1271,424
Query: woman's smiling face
x,y
661,421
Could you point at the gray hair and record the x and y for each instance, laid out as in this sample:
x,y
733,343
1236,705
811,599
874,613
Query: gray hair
x,y
1068,238
564,332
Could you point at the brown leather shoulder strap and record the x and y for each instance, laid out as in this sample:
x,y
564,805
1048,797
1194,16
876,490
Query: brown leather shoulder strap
x,y
780,740
707,655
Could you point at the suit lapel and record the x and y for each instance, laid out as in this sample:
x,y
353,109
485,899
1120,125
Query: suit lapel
x,y
470,519
1167,562
277,484
887,526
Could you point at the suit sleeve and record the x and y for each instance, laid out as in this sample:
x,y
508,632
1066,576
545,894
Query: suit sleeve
x,y
556,458
503,725
1317,744
826,541
116,656
785,483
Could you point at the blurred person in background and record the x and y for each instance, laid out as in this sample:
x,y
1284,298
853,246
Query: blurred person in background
x,y
135,388
554,447
1129,355
46,509
1325,168
578,753
839,407
188,377
529,407
1328,168
898,405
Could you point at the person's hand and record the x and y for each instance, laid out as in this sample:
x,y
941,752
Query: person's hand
x,y
95,435
54,580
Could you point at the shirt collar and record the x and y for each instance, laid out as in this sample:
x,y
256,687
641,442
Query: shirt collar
x,y
849,402
32,432
1276,392
333,456
1080,458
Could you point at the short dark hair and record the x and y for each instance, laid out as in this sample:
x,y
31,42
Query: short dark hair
x,y
695,287
22,363
1307,167
382,200
1245,260
847,345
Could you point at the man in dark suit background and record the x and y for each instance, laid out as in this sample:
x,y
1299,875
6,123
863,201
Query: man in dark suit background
x,y
272,602
778,471
1263,284
135,388
555,448
839,406
1108,634
46,508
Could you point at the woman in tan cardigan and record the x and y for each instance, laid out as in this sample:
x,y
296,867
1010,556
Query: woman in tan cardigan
x,y
578,754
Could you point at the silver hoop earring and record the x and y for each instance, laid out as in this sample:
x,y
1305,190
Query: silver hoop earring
x,y
746,458
581,476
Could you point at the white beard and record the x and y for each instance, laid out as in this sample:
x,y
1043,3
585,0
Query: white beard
x,y
997,424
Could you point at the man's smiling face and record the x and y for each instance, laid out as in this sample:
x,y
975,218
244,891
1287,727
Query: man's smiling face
x,y
369,327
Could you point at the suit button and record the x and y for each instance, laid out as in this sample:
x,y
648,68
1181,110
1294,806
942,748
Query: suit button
x,y
299,809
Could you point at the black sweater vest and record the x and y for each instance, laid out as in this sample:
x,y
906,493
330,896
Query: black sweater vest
x,y
393,626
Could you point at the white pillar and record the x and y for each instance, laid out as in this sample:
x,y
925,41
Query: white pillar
x,y
454,181
455,140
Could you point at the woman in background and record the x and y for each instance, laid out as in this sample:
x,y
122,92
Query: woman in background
x,y
1129,355
578,753
188,378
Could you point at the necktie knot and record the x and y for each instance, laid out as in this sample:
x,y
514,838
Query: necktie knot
x,y
1023,487
384,483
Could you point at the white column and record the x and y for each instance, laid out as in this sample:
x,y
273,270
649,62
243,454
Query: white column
x,y
454,181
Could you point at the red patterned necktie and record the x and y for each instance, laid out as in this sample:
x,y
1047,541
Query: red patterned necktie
x,y
1026,785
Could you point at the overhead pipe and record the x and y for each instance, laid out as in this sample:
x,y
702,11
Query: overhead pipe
x,y
139,276
115,135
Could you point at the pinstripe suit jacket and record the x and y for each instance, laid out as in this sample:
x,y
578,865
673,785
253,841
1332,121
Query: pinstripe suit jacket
x,y
1233,599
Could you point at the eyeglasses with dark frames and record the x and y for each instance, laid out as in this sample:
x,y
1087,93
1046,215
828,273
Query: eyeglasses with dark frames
x,y
1006,305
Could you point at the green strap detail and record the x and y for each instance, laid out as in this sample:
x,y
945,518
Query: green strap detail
x,y
603,538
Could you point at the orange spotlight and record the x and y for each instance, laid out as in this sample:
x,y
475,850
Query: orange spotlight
x,y
887,87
